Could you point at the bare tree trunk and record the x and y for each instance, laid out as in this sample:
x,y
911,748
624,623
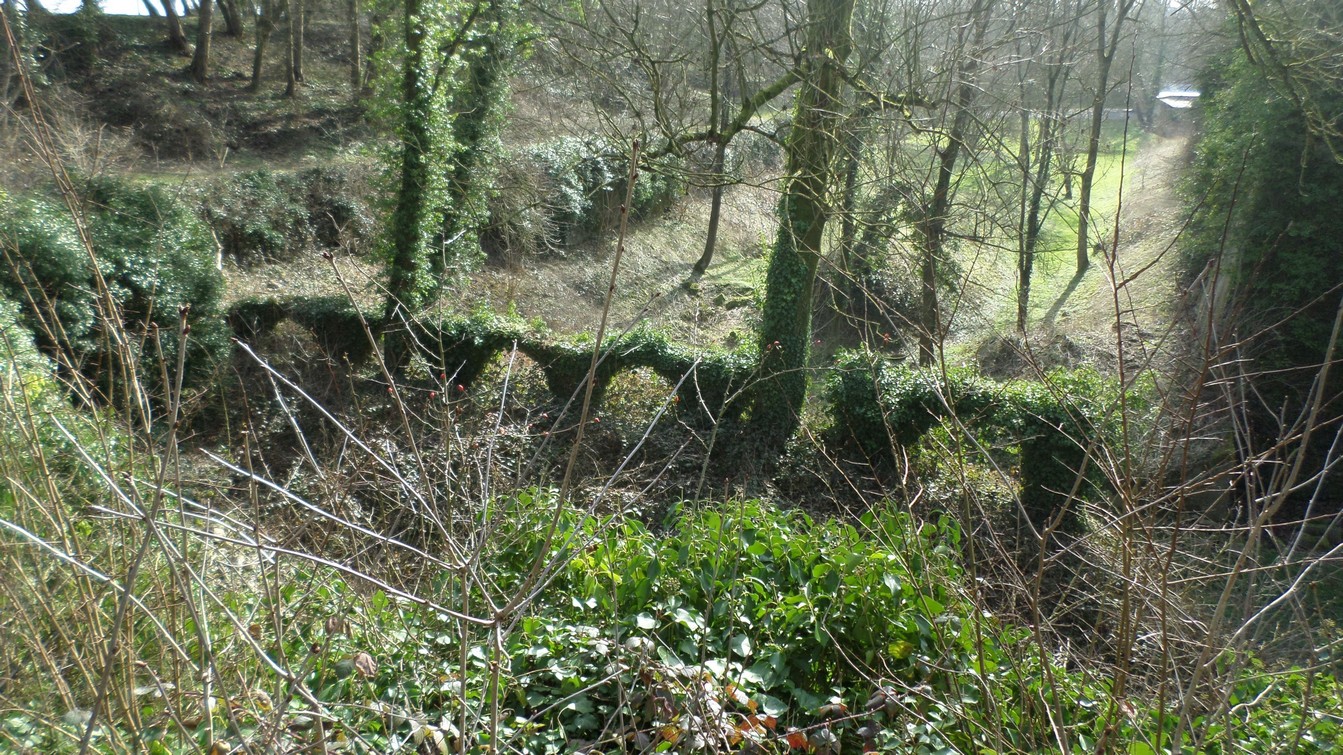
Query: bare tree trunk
x,y
265,25
715,210
200,64
932,226
300,26
1035,177
233,23
149,6
1106,47
291,51
718,119
356,53
376,44
176,37
1088,178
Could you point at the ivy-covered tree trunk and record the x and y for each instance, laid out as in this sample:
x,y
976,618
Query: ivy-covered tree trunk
x,y
479,104
785,332
405,287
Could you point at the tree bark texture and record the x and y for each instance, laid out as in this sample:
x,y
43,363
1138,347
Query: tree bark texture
x,y
356,51
785,333
200,63
411,213
265,26
176,37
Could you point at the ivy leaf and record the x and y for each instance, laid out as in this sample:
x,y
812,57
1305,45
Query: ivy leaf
x,y
741,645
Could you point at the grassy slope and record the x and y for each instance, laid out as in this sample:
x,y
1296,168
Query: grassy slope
x,y
1142,180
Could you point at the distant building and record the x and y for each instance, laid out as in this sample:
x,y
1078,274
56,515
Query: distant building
x,y
1172,108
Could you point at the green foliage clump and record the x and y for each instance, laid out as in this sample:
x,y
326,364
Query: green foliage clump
x,y
46,267
1269,191
460,348
583,184
336,324
882,408
1257,163
154,255
257,216
270,216
768,617
256,316
158,259
332,320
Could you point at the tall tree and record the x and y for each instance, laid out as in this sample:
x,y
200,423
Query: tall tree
x,y
176,37
810,152
411,217
268,11
293,49
200,62
300,26
452,79
644,61
1043,71
356,48
232,14
477,106
1110,17
930,225
721,41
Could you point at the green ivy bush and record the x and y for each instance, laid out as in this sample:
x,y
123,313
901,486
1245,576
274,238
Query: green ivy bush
x,y
256,217
46,267
332,320
460,348
270,216
582,184
155,256
158,258
880,408
336,324
253,317
1266,189
32,405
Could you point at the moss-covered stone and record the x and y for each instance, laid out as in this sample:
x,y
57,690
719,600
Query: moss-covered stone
x,y
882,408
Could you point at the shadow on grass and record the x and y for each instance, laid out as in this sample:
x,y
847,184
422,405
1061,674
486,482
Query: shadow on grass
x,y
1063,298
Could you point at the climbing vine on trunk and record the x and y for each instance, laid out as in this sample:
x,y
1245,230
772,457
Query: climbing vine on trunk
x,y
785,332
